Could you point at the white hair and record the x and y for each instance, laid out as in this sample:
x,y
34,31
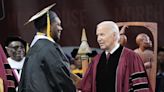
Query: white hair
x,y
111,25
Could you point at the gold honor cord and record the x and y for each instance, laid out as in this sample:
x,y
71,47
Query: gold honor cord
x,y
1,85
27,47
48,26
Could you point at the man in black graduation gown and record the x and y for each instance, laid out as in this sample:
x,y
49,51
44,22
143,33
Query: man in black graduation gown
x,y
46,68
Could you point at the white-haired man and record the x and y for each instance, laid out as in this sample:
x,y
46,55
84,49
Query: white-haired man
x,y
116,69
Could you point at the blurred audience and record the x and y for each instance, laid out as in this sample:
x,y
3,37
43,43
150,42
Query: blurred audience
x,y
160,70
76,66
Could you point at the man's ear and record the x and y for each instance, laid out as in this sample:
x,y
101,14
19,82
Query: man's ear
x,y
8,50
115,35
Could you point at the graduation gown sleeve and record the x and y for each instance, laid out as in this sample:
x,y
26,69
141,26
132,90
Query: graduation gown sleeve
x,y
58,75
131,74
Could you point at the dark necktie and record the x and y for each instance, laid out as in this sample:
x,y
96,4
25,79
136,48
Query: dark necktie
x,y
18,70
107,56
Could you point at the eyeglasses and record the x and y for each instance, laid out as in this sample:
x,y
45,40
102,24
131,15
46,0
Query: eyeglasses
x,y
16,47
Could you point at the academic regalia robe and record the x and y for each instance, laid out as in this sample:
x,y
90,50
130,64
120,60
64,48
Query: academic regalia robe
x,y
6,75
130,74
16,67
45,69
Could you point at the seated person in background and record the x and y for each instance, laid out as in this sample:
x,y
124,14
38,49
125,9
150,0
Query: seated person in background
x,y
77,64
15,47
144,43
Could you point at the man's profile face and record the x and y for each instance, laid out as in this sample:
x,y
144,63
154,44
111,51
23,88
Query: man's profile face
x,y
16,50
56,29
105,37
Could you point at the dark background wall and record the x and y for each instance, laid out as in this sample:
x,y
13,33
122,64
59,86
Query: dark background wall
x,y
78,14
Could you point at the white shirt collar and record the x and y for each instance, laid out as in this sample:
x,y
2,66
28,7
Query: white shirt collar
x,y
16,64
37,37
113,50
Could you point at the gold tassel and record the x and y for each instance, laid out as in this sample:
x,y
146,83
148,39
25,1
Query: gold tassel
x,y
27,47
48,26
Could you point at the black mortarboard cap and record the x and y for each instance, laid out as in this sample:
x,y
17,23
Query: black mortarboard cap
x,y
14,38
74,52
94,53
43,19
